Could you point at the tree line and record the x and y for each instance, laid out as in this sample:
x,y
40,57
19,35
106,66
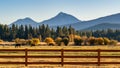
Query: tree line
x,y
43,31
109,33
28,32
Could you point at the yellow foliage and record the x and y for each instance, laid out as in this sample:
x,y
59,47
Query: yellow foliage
x,y
1,40
58,40
49,40
52,43
84,37
99,41
92,40
20,41
106,41
17,40
113,42
35,41
77,36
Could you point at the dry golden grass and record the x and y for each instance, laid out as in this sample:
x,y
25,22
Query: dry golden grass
x,y
59,66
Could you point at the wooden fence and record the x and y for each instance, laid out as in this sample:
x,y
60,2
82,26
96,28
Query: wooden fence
x,y
62,56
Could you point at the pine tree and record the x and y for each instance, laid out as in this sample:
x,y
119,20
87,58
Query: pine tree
x,y
47,32
65,31
21,32
43,32
59,32
13,31
26,32
53,34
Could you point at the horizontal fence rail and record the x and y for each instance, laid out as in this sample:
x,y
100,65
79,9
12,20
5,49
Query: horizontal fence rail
x,y
62,56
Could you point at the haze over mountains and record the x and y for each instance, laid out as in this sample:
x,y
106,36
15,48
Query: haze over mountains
x,y
63,19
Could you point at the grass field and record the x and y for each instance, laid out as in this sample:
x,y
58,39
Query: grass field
x,y
117,47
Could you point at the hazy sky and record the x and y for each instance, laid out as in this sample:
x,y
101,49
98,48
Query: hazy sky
x,y
39,10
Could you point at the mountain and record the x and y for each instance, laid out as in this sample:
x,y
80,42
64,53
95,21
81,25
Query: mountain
x,y
103,26
25,21
61,19
112,19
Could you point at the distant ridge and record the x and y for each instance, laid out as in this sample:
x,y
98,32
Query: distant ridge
x,y
64,19
25,21
113,19
103,26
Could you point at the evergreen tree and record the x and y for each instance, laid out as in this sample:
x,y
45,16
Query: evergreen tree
x,y
47,32
59,32
43,32
21,32
13,31
65,31
26,32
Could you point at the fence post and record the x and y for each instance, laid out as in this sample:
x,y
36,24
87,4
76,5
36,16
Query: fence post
x,y
26,53
98,57
62,57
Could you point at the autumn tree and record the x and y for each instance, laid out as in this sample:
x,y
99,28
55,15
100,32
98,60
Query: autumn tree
x,y
58,41
49,41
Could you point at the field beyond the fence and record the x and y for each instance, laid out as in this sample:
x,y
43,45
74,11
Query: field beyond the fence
x,y
109,47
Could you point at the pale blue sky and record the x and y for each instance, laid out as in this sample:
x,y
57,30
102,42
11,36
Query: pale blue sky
x,y
39,10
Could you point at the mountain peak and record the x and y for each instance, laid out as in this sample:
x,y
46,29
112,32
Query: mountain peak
x,y
61,19
27,18
25,21
62,14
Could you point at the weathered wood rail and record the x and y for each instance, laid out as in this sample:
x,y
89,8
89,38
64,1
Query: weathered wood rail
x,y
62,56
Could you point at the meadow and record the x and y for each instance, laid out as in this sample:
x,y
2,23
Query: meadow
x,y
108,47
